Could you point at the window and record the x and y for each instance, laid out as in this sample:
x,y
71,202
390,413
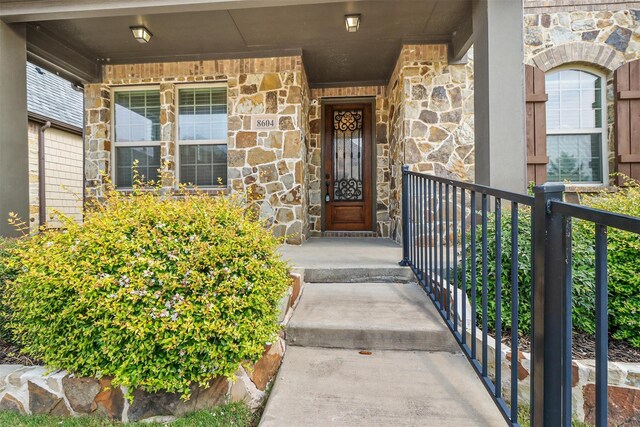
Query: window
x,y
576,126
202,135
136,135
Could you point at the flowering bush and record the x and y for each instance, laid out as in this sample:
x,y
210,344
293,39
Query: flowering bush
x,y
158,292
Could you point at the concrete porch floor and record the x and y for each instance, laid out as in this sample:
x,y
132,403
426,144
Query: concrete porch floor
x,y
347,260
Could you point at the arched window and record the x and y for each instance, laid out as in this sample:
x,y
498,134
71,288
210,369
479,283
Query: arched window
x,y
576,126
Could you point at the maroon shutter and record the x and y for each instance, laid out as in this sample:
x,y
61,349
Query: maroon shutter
x,y
627,92
536,125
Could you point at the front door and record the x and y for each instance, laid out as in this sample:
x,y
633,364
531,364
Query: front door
x,y
347,167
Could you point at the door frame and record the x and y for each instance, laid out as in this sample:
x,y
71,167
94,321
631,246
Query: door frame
x,y
374,154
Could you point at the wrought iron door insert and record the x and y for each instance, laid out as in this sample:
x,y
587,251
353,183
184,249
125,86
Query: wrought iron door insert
x,y
347,167
347,153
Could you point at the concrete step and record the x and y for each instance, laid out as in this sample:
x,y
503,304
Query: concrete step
x,y
376,316
358,275
337,387
348,260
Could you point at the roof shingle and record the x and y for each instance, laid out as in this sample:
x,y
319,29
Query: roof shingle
x,y
53,97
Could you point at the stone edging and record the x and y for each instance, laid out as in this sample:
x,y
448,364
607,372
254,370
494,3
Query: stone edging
x,y
624,379
34,390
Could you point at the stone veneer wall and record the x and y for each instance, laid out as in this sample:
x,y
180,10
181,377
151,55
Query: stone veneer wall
x,y
600,39
381,145
270,166
430,119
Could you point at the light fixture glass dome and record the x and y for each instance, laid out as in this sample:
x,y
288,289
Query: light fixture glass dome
x,y
141,33
352,22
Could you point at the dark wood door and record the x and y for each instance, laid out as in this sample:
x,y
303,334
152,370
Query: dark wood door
x,y
348,175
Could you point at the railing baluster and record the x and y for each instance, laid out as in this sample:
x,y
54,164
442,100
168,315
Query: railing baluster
x,y
602,345
568,329
514,312
474,278
434,250
485,285
421,230
411,221
448,250
414,240
498,290
434,238
441,232
405,217
463,267
424,232
429,232
416,226
455,259
418,220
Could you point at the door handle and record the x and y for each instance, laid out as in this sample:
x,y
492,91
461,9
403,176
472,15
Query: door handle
x,y
327,183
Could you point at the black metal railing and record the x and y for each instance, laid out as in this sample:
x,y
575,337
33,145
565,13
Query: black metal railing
x,y
441,245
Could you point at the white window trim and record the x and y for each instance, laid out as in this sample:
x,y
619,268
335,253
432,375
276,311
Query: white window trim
x,y
603,131
179,142
115,144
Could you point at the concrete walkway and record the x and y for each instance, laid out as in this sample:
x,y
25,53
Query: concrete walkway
x,y
371,352
341,387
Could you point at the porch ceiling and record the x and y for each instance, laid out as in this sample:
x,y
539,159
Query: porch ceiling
x,y
227,29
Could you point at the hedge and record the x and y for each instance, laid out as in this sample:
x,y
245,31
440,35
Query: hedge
x,y
158,292
623,263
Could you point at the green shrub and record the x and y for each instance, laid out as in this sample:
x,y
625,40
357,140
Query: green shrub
x,y
6,275
158,292
623,262
583,276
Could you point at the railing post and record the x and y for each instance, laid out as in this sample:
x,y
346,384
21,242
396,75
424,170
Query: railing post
x,y
405,216
551,323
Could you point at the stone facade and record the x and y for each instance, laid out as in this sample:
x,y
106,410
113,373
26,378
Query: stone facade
x,y
424,116
430,119
269,166
36,390
382,175
428,101
591,37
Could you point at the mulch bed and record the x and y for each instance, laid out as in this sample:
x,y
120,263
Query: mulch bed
x,y
584,347
11,355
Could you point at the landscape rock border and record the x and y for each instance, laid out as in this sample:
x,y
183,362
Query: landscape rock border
x,y
623,379
36,390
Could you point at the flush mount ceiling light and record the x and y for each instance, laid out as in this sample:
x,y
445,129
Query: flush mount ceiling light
x,y
141,34
352,22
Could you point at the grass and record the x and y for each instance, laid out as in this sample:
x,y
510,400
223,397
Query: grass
x,y
234,414
523,418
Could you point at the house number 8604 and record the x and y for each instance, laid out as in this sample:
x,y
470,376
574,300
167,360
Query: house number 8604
x,y
264,122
